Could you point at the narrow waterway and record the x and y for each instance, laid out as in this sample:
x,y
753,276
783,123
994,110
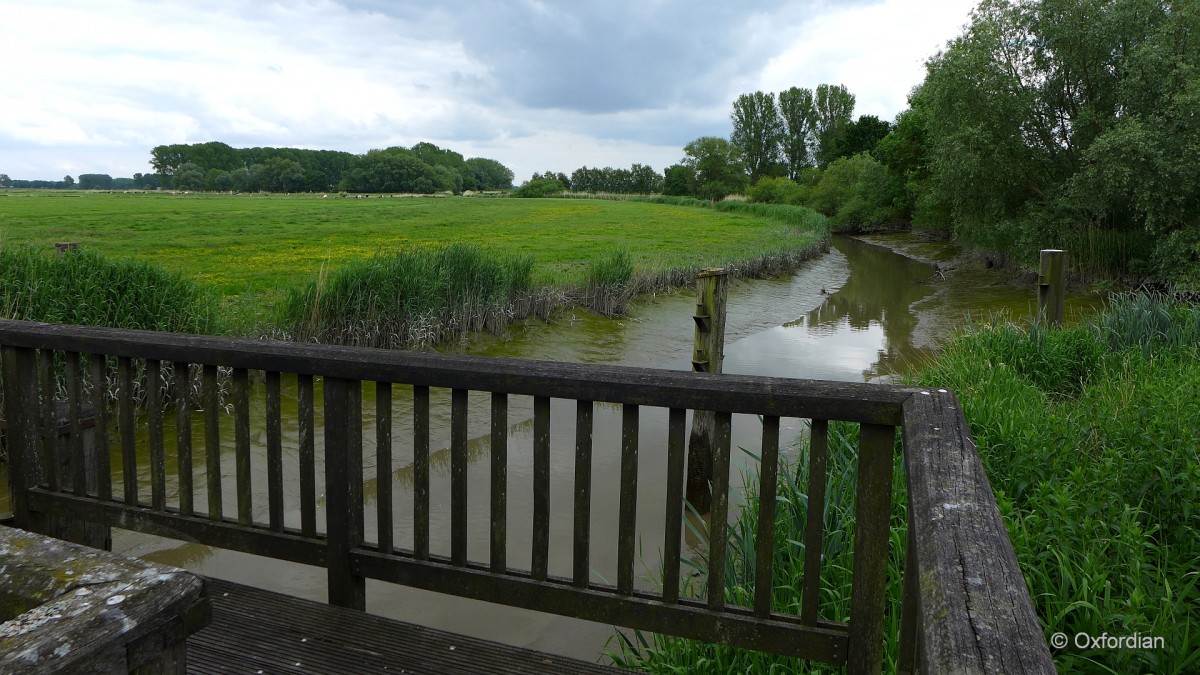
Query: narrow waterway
x,y
859,313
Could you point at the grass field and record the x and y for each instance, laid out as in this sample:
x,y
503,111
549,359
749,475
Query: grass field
x,y
251,249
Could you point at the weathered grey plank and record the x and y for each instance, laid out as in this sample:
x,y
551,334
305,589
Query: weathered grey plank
x,y
212,441
21,438
541,487
383,464
127,429
241,446
764,542
673,521
872,511
975,612
274,422
458,476
99,368
581,555
51,461
718,518
183,436
74,377
814,528
499,483
154,413
307,454
421,472
627,509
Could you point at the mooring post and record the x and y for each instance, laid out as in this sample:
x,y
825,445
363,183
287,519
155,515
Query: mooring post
x,y
1052,286
708,352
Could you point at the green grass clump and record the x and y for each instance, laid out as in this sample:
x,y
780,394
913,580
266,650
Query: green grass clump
x,y
1098,477
666,654
415,296
86,288
608,288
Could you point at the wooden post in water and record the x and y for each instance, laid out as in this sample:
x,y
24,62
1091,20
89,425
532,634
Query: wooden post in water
x,y
1052,286
708,353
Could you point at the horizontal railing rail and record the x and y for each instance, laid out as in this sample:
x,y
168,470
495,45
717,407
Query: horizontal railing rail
x,y
314,396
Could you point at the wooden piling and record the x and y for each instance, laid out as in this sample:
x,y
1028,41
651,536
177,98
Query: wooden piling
x,y
708,352
1052,286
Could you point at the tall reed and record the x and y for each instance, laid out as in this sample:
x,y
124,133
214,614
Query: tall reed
x,y
84,287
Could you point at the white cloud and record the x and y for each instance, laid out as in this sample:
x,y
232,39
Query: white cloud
x,y
94,87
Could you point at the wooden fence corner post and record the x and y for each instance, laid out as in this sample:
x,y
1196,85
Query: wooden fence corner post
x,y
343,490
708,354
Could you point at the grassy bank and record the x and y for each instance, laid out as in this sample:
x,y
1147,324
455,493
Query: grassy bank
x,y
1090,437
252,250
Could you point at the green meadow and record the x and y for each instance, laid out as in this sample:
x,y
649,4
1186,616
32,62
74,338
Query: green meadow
x,y
255,251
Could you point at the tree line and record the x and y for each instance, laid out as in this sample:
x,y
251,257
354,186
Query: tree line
x,y
424,169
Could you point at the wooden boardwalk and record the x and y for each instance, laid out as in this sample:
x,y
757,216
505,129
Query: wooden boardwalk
x,y
257,631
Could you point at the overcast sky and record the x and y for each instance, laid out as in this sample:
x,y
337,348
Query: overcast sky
x,y
91,87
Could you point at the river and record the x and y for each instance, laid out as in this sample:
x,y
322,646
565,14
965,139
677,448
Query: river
x,y
859,313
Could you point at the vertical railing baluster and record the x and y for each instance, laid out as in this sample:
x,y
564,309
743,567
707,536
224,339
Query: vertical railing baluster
x,y
718,526
103,466
764,543
307,451
541,488
421,472
79,468
212,441
627,514
241,444
158,462
383,465
583,493
274,451
458,476
909,604
343,490
499,480
51,457
127,429
872,512
814,526
183,435
22,440
673,522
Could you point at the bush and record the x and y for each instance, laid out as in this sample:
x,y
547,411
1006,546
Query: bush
x,y
776,191
542,187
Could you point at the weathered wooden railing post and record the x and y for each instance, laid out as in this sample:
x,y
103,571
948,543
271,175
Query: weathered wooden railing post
x,y
22,437
343,490
1052,286
708,353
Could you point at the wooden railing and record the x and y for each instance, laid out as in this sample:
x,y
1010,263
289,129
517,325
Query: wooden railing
x,y
965,604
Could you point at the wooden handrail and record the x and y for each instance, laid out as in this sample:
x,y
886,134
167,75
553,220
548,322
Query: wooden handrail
x,y
966,608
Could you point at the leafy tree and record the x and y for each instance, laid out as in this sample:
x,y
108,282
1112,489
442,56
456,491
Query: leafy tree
x,y
5,181
644,180
488,174
679,180
188,177
68,182
798,112
540,187
834,105
757,132
95,181
718,167
122,184
860,136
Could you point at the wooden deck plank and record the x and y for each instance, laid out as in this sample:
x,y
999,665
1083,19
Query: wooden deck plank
x,y
253,630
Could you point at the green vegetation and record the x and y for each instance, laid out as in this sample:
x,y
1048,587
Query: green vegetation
x,y
84,287
253,249
412,296
1090,438
664,654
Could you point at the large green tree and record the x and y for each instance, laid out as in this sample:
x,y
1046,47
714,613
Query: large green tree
x,y
834,108
717,165
757,132
798,112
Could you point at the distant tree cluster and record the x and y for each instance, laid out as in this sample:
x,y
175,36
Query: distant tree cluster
x,y
424,168
638,179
